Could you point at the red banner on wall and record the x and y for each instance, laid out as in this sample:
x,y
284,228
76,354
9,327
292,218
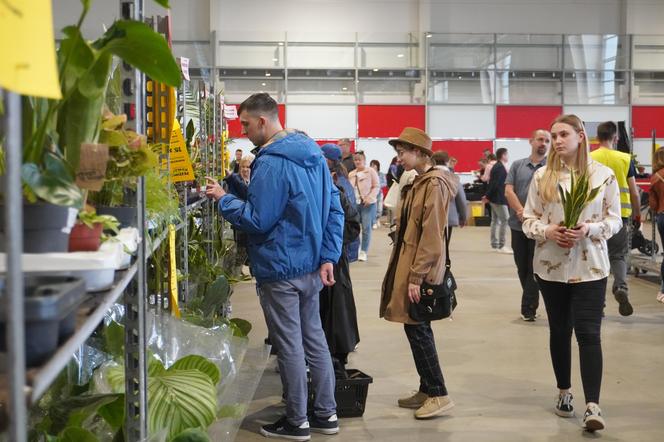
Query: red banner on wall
x,y
376,121
521,121
647,118
467,153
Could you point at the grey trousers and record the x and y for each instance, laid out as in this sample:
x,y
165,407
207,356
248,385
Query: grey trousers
x,y
499,217
292,313
617,246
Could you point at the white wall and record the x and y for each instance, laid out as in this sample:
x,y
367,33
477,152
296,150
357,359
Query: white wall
x,y
644,17
190,18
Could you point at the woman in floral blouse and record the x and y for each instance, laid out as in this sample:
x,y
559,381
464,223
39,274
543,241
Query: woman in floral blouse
x,y
572,265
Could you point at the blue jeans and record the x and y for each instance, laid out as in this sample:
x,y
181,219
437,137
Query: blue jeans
x,y
367,215
660,227
292,312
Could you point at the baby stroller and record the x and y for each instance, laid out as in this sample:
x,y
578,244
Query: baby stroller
x,y
640,242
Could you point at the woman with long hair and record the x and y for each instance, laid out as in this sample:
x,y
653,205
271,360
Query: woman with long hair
x,y
418,256
367,186
572,265
656,202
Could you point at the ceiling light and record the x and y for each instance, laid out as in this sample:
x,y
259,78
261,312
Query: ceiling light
x,y
344,88
375,70
281,43
400,55
275,59
267,74
429,35
263,84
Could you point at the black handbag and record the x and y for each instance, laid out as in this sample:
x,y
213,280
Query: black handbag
x,y
436,301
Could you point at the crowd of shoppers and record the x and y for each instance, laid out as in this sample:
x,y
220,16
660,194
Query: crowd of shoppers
x,y
300,209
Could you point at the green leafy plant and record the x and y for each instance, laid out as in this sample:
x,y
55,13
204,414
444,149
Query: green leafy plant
x,y
55,129
181,397
90,218
579,195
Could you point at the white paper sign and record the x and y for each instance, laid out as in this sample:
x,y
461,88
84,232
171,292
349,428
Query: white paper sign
x,y
230,112
184,67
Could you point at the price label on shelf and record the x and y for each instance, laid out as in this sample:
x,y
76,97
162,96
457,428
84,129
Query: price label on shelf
x,y
181,169
230,112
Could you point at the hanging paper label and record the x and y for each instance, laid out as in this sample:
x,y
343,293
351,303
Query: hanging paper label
x,y
181,169
230,112
172,273
184,67
28,48
92,166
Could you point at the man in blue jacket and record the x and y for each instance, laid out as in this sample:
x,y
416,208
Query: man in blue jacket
x,y
294,222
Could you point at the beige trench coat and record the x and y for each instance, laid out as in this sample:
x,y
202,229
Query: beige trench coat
x,y
422,254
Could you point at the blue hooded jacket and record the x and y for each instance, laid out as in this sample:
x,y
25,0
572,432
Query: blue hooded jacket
x,y
292,214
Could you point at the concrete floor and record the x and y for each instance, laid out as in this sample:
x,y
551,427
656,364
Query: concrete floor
x,y
497,367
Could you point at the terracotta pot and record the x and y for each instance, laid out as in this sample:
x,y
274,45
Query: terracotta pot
x,y
85,239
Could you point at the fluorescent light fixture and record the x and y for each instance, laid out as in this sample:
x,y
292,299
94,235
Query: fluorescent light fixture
x,y
429,35
375,70
400,55
275,59
344,88
263,84
281,43
267,74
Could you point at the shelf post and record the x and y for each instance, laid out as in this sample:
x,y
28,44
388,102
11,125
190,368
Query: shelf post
x,y
14,248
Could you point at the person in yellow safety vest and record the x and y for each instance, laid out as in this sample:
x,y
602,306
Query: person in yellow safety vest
x,y
623,167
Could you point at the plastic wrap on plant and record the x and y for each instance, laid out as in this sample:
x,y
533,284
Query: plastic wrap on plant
x,y
234,401
85,361
170,339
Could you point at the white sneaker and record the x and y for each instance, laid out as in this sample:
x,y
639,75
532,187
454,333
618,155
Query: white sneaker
x,y
506,250
362,256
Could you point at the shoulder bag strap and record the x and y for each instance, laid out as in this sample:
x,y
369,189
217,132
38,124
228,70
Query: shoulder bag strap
x,y
448,261
659,176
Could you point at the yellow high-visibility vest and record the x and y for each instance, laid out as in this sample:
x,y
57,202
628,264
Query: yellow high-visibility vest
x,y
619,163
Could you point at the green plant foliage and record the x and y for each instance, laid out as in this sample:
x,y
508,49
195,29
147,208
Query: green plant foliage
x,y
216,295
90,218
137,44
114,337
181,399
76,434
163,3
76,409
195,362
241,327
114,412
579,195
191,435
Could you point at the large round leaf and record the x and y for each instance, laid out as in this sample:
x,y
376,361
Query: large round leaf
x,y
180,399
140,46
195,362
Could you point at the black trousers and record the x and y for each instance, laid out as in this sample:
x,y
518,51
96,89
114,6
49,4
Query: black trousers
x,y
576,307
423,346
524,249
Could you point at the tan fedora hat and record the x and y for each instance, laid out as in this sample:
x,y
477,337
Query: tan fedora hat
x,y
414,137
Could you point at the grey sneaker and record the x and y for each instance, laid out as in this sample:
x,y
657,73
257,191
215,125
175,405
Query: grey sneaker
x,y
283,429
624,307
592,419
564,407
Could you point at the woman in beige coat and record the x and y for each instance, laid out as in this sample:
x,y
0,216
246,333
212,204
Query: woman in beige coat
x,y
417,258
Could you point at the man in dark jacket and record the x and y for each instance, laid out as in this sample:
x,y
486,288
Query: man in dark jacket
x,y
495,193
294,221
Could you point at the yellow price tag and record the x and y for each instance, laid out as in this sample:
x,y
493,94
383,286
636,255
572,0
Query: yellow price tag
x,y
28,64
173,273
181,169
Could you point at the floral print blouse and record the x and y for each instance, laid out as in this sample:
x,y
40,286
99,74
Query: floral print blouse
x,y
588,260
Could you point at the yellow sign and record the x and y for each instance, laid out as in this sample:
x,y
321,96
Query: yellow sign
x,y
181,169
28,49
172,273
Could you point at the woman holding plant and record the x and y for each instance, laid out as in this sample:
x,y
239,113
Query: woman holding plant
x,y
573,207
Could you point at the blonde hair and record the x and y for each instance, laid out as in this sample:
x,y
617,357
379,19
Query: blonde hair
x,y
658,160
247,159
549,183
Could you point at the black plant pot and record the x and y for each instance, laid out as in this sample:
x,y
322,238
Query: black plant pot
x,y
46,228
125,215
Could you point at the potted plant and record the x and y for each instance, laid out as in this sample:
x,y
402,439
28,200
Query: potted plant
x,y
87,234
54,130
129,157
